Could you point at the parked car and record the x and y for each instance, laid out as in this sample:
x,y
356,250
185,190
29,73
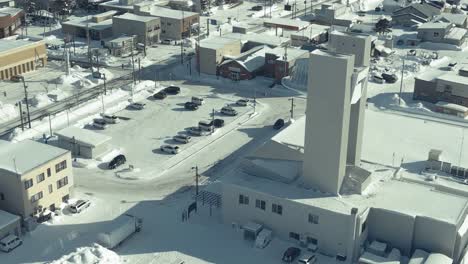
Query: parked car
x,y
307,258
98,75
191,106
16,78
378,79
218,122
197,100
160,95
110,119
242,102
412,52
361,13
257,8
263,238
166,41
390,77
206,125
79,206
378,9
197,131
9,243
170,149
137,106
99,123
226,110
172,90
182,138
117,161
291,254
278,124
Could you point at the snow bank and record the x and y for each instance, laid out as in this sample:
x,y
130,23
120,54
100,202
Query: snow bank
x,y
144,85
7,112
40,100
95,254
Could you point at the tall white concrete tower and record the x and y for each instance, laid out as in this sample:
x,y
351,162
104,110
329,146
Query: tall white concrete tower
x,y
335,111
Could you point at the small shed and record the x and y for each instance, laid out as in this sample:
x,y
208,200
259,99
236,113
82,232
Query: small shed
x,y
82,142
9,224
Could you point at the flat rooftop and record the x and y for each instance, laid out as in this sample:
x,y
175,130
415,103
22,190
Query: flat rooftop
x,y
292,135
7,45
258,38
19,158
9,11
87,22
216,42
130,16
7,219
286,22
171,13
83,136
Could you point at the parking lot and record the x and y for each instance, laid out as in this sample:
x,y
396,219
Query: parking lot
x,y
141,133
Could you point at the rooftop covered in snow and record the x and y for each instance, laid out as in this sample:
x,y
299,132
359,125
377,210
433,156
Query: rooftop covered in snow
x,y
286,23
216,42
83,136
9,11
7,219
6,45
130,16
24,156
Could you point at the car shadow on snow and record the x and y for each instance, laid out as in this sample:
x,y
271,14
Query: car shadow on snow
x,y
103,166
159,151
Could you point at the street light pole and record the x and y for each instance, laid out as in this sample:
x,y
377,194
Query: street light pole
x,y
292,107
401,82
21,115
196,181
26,100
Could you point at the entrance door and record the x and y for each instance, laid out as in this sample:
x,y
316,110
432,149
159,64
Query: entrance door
x,y
235,76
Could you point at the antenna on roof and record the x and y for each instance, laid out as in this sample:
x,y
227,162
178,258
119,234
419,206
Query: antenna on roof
x,y
14,164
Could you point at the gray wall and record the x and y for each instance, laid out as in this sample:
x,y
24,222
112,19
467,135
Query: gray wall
x,y
333,232
435,236
11,229
129,27
392,227
327,124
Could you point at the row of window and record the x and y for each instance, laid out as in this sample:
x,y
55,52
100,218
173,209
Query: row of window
x,y
260,204
60,183
41,177
275,208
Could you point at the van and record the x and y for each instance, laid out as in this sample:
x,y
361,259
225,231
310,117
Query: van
x,y
205,125
197,100
79,206
228,111
9,243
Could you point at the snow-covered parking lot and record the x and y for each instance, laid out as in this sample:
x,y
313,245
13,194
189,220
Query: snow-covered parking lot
x,y
141,133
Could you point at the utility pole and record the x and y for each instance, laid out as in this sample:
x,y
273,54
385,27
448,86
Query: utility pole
x,y
182,39
212,120
207,28
139,70
50,126
401,81
196,181
133,66
292,107
305,7
21,115
26,100
105,88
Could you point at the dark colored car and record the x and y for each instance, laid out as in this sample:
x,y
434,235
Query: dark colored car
x,y
389,78
117,161
278,124
291,254
218,122
191,106
378,9
161,95
257,8
15,78
172,90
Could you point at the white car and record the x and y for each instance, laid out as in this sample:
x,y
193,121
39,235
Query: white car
x,y
198,131
378,79
9,243
197,100
206,125
110,119
137,106
307,258
182,138
228,111
242,102
170,149
79,206
99,123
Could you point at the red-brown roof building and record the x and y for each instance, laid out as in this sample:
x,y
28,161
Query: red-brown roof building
x,y
11,19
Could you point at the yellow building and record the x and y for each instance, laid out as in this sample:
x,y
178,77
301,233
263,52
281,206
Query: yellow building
x,y
20,56
33,177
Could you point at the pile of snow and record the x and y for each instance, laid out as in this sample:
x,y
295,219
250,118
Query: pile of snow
x,y
7,112
86,255
139,86
40,100
57,95
83,79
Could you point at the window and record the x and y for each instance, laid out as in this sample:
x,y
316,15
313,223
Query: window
x,y
49,173
61,166
314,219
40,177
447,88
51,188
260,204
2,196
311,240
36,197
276,208
436,34
243,199
294,235
28,184
62,182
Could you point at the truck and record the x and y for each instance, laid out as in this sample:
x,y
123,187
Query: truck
x,y
119,229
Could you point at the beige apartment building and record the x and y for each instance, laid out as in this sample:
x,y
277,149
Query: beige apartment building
x,y
146,28
211,52
20,56
33,177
